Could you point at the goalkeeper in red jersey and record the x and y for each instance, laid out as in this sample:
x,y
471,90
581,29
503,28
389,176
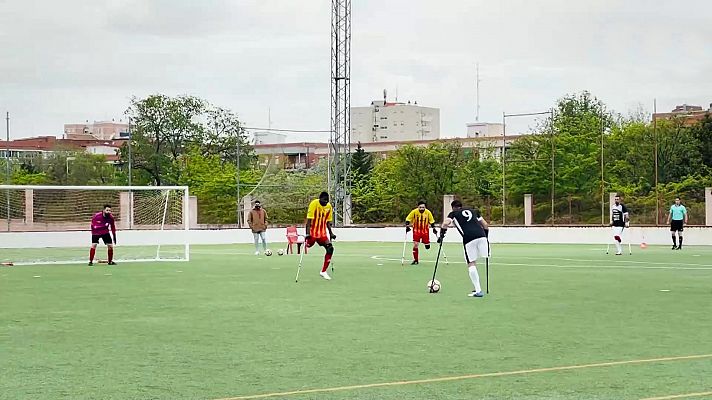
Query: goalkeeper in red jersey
x,y
101,222
319,218
420,218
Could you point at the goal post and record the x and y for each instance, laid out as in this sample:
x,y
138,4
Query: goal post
x,y
51,224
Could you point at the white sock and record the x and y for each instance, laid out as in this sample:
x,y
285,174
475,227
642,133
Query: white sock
x,y
475,278
619,247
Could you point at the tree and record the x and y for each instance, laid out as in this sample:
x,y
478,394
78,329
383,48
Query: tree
x,y
702,131
163,128
166,128
224,136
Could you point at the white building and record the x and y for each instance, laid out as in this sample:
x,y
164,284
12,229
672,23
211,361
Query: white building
x,y
269,138
484,129
388,122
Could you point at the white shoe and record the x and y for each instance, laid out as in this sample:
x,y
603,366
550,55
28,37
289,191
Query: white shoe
x,y
257,253
619,253
325,275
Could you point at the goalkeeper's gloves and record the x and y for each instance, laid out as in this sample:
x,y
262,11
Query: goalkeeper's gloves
x,y
442,235
407,228
435,230
627,224
333,237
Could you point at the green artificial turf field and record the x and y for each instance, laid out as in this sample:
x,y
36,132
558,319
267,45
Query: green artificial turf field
x,y
229,324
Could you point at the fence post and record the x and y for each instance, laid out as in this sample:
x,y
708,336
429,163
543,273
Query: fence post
x,y
447,208
124,210
528,209
708,206
246,207
193,211
29,206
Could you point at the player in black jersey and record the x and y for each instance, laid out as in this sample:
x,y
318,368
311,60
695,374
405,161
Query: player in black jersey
x,y
619,221
472,228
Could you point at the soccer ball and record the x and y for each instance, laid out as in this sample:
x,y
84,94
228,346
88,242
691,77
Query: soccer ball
x,y
268,252
434,286
280,252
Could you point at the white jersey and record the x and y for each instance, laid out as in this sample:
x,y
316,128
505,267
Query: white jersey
x,y
619,214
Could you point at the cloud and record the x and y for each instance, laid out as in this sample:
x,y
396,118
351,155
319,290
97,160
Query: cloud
x,y
74,60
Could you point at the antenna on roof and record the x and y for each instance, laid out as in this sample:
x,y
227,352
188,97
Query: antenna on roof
x,y
477,85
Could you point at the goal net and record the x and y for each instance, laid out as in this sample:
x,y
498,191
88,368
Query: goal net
x,y
51,224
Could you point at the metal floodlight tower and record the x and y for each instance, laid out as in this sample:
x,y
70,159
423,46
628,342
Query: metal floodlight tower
x,y
340,137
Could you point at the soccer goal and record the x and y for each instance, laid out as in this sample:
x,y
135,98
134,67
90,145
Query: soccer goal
x,y
52,224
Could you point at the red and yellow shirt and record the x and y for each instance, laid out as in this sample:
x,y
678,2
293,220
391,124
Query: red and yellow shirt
x,y
319,215
420,221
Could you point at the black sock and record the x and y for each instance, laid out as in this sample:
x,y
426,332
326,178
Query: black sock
x,y
680,242
674,240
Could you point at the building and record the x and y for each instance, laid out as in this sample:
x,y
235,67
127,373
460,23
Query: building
x,y
297,156
484,129
687,114
98,130
269,138
388,122
42,146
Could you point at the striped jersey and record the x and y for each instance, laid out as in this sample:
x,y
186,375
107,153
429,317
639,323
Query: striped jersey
x,y
420,220
319,215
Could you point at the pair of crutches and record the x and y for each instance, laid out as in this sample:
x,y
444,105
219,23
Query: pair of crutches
x,y
405,244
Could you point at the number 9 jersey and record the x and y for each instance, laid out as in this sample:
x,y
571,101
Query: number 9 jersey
x,y
467,222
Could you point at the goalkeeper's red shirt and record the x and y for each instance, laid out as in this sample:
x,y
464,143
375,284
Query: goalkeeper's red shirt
x,y
100,224
420,221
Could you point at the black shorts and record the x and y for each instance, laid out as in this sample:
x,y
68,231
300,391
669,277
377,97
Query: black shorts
x,y
105,237
676,225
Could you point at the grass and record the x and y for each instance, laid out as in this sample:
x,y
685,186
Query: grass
x,y
230,324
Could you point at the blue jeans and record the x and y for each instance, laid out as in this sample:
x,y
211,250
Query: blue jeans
x,y
258,236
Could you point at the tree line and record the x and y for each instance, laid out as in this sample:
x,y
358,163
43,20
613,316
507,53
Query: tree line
x,y
185,140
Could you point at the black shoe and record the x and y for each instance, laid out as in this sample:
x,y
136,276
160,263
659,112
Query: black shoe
x,y
91,264
414,262
674,247
679,247
111,263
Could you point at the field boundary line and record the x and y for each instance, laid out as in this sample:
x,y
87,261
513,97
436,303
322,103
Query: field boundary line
x,y
582,266
680,396
471,376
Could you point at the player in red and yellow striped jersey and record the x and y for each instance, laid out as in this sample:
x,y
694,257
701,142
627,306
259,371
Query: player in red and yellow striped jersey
x,y
420,218
319,218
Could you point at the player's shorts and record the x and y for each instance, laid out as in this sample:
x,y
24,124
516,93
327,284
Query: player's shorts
x,y
617,230
321,241
105,237
421,237
476,249
676,225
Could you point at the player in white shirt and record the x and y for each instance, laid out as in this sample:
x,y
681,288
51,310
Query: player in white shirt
x,y
619,220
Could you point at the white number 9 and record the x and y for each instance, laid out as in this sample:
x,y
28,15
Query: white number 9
x,y
467,214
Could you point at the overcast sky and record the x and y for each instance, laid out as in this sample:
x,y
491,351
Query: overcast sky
x,y
74,60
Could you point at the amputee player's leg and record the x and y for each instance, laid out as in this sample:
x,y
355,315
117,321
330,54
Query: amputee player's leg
x,y
416,241
329,252
473,251
617,232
